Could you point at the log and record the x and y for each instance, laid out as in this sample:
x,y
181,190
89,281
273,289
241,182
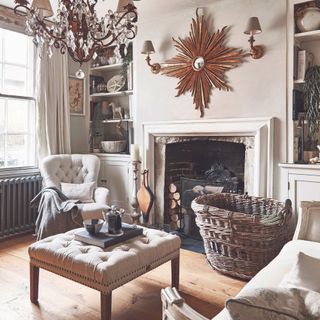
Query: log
x,y
173,225
174,218
172,204
176,196
173,211
172,188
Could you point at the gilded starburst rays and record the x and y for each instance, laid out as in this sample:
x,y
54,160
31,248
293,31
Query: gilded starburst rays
x,y
217,59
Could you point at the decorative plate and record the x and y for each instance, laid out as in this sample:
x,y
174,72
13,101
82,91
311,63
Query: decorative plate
x,y
308,19
116,83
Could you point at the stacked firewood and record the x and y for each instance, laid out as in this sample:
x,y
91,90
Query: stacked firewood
x,y
174,206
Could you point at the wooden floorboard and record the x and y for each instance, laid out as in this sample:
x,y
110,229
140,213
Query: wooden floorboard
x,y
62,299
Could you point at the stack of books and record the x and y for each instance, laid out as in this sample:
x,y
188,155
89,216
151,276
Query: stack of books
x,y
103,239
302,61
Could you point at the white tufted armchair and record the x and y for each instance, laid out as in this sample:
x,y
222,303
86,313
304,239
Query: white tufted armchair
x,y
76,168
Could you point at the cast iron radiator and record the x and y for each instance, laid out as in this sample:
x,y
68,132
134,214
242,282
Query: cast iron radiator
x,y
16,216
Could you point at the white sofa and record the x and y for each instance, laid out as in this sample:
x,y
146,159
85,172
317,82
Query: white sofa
x,y
306,240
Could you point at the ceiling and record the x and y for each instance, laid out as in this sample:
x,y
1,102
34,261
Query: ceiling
x,y
145,7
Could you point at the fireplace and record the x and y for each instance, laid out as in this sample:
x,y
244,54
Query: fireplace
x,y
250,139
195,166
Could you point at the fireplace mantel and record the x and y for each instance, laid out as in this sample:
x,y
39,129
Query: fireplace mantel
x,y
262,129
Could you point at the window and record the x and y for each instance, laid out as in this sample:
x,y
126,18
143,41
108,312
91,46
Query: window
x,y
17,102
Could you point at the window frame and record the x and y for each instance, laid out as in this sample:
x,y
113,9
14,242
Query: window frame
x,y
30,169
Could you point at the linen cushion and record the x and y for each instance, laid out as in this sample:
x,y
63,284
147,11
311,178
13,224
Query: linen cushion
x,y
305,273
78,191
275,304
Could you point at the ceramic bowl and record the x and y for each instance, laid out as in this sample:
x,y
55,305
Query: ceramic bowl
x,y
114,146
93,226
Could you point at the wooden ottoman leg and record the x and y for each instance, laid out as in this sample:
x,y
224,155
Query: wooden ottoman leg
x,y
175,272
106,302
34,283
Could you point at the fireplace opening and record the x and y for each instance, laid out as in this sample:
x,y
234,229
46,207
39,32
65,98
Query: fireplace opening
x,y
197,166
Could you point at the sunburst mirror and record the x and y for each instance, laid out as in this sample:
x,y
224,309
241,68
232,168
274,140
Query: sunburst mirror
x,y
201,62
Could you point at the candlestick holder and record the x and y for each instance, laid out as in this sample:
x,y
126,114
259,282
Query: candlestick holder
x,y
135,215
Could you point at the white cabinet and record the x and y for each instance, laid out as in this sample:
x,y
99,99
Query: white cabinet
x,y
115,175
303,183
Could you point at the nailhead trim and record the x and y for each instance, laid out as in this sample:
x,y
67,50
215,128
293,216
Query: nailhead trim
x,y
105,288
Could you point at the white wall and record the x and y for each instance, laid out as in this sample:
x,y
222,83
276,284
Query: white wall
x,y
259,86
79,125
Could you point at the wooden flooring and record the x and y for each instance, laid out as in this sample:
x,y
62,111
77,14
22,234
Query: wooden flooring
x,y
62,299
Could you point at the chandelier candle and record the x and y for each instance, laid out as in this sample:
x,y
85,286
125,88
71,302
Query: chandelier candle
x,y
76,28
135,156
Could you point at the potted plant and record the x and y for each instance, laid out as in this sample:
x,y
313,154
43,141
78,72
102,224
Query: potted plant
x,y
311,91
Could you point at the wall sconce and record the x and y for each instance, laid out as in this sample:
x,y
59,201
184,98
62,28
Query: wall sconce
x,y
252,29
148,49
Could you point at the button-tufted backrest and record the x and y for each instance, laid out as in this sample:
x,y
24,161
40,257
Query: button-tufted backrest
x,y
69,168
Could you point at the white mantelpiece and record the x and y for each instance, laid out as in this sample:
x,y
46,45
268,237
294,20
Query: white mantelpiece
x,y
261,129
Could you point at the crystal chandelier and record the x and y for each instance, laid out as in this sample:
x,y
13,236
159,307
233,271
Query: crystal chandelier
x,y
76,28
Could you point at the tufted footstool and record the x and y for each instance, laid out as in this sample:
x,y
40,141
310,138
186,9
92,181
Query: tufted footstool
x,y
103,269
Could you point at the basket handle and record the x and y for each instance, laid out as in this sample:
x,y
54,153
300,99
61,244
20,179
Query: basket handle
x,y
286,211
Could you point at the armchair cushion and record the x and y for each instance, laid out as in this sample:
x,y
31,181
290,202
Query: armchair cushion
x,y
69,168
92,210
82,192
101,195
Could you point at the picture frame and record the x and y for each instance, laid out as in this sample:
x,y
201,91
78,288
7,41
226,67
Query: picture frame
x,y
76,96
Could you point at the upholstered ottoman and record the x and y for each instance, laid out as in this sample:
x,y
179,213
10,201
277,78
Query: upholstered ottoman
x,y
103,269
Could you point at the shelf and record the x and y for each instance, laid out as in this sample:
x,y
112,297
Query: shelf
x,y
298,81
300,166
113,155
112,94
107,67
116,120
308,36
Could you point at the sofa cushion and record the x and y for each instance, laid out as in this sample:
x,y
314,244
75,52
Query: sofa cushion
x,y
82,192
275,304
305,273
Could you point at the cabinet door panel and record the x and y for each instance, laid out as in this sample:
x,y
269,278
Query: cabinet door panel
x,y
303,188
115,177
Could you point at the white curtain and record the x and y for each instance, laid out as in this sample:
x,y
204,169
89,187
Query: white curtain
x,y
53,115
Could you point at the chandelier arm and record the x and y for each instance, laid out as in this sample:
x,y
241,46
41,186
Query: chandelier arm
x,y
40,22
135,18
91,6
95,47
72,35
109,34
20,13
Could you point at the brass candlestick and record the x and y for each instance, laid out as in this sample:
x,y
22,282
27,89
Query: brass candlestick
x,y
135,215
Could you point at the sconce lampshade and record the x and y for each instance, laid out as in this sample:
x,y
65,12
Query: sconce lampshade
x,y
253,26
44,6
122,4
148,47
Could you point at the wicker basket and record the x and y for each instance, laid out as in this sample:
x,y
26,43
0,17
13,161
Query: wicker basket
x,y
237,240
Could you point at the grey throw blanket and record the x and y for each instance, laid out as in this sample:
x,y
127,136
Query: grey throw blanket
x,y
57,214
